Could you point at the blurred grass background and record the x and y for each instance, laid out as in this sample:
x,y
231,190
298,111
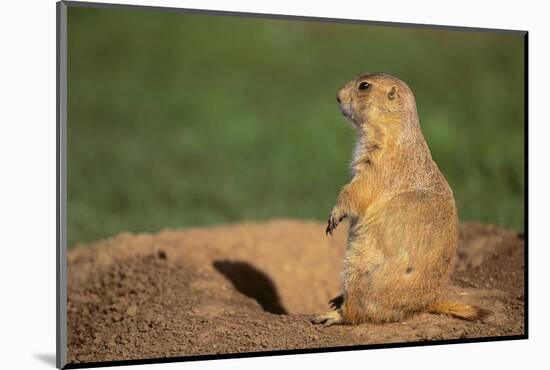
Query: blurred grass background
x,y
177,119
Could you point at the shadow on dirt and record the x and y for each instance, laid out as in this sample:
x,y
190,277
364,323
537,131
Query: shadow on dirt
x,y
253,283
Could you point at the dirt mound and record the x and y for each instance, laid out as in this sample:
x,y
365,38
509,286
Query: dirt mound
x,y
251,287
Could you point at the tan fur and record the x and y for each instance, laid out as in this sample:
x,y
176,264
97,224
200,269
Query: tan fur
x,y
460,310
403,219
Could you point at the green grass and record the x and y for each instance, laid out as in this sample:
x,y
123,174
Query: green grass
x,y
177,120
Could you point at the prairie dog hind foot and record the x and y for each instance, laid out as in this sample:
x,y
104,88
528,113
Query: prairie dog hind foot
x,y
329,318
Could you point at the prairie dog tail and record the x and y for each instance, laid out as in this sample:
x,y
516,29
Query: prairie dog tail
x,y
460,310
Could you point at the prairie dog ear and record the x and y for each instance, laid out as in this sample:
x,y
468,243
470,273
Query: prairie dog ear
x,y
393,93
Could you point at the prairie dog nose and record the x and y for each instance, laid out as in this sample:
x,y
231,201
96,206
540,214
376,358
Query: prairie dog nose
x,y
339,95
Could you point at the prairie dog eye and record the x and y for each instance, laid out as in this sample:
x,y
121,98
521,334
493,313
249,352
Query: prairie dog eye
x,y
364,85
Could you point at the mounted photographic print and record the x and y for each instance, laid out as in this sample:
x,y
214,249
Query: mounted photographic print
x,y
233,185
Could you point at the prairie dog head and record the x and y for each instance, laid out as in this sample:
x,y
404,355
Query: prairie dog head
x,y
375,99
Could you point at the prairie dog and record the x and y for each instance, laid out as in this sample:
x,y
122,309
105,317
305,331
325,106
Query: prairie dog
x,y
403,219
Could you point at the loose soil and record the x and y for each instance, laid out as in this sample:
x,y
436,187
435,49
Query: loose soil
x,y
253,286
